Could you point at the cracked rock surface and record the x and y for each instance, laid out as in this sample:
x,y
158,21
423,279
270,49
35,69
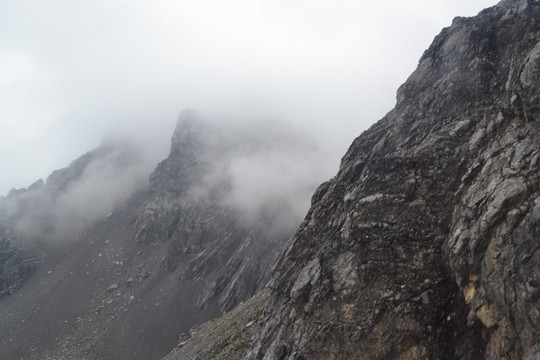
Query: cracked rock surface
x,y
426,244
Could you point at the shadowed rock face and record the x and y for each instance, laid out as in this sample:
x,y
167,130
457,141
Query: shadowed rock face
x,y
426,243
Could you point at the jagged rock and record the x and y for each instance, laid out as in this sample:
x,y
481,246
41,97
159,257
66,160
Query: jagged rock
x,y
16,264
426,242
425,245
189,206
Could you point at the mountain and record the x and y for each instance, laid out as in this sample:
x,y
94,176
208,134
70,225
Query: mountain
x,y
70,199
425,245
104,261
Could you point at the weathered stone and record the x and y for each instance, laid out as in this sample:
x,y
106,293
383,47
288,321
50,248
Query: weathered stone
x,y
187,208
454,278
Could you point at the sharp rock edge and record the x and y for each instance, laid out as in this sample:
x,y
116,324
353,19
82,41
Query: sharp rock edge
x,y
426,244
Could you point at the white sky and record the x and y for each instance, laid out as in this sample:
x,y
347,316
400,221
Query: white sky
x,y
73,70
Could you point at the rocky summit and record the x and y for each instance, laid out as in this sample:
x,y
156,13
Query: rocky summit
x,y
426,244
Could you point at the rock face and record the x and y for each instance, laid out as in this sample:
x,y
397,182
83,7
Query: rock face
x,y
426,244
189,206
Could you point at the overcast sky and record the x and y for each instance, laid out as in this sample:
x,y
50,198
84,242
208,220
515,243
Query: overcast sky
x,y
72,71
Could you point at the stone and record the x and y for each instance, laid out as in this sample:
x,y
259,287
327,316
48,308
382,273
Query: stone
x,y
463,138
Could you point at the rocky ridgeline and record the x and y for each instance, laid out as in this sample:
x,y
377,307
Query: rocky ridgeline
x,y
425,245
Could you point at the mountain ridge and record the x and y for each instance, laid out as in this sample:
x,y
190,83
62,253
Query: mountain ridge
x,y
425,244
89,276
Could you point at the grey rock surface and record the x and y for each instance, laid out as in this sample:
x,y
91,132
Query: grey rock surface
x,y
426,244
190,207
16,264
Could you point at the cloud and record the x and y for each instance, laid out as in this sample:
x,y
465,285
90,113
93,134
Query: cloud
x,y
266,170
92,187
75,69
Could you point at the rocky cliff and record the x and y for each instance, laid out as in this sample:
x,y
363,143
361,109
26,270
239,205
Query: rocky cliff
x,y
426,244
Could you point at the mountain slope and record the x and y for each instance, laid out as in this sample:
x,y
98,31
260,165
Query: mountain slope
x,y
117,267
189,205
425,245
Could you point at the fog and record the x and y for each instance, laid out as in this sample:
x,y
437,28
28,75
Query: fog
x,y
267,170
71,71
91,188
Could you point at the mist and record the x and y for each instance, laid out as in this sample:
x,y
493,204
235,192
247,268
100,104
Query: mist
x,y
265,169
72,198
71,71
291,83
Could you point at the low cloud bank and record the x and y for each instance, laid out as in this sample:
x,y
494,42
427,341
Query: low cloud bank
x,y
88,189
269,170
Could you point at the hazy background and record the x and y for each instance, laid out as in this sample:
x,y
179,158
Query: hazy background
x,y
73,71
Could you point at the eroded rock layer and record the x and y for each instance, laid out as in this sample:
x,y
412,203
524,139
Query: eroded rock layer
x,y
426,244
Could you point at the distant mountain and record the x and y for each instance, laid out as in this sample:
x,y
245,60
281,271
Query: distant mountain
x,y
102,261
69,200
426,244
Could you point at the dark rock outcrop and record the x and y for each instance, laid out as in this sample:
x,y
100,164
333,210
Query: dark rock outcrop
x,y
426,244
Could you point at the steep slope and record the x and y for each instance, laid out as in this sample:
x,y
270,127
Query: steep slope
x,y
120,266
80,240
425,245
189,205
